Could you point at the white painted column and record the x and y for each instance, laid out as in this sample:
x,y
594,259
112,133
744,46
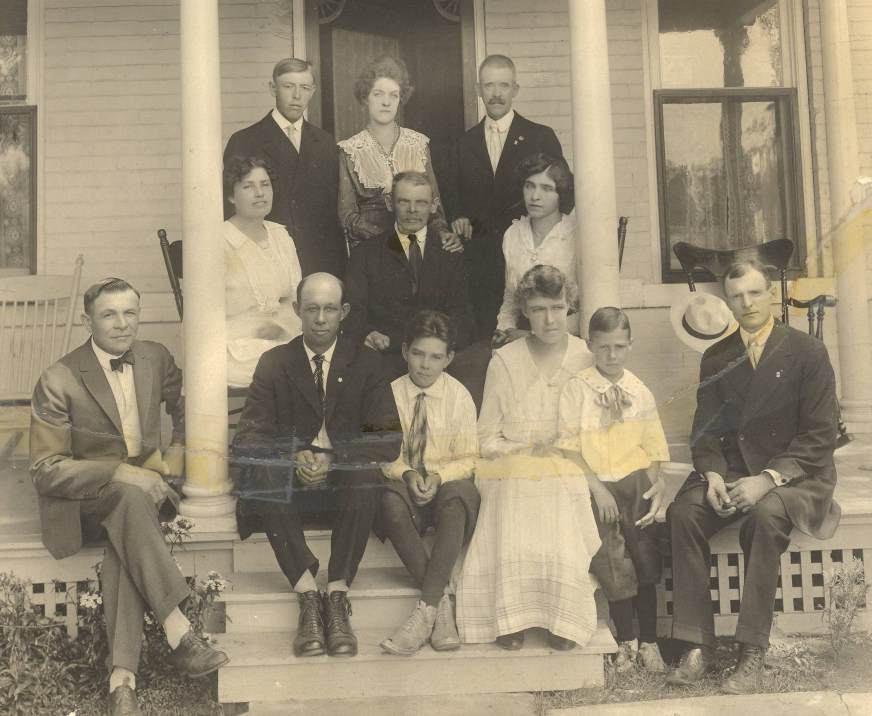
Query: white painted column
x,y
849,253
593,158
207,488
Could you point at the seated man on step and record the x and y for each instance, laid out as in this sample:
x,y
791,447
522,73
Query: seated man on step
x,y
318,420
96,464
762,443
431,483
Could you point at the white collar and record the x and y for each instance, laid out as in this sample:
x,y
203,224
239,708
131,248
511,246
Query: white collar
x,y
561,231
284,122
420,233
235,237
503,123
763,332
328,354
598,382
437,390
103,357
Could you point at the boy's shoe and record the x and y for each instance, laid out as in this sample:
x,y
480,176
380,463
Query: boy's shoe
x,y
694,664
650,658
748,669
309,639
341,640
625,659
445,636
410,637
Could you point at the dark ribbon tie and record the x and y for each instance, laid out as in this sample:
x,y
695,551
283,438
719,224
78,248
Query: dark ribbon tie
x,y
118,363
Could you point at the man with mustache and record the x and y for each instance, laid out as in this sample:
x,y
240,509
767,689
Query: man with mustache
x,y
484,196
306,173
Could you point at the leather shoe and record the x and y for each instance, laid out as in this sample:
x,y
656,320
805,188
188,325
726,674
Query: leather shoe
x,y
559,643
309,640
340,637
511,642
195,658
693,665
122,702
748,667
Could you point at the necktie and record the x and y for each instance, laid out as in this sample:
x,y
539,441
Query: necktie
x,y
417,442
118,363
754,351
294,136
415,261
319,376
494,145
614,400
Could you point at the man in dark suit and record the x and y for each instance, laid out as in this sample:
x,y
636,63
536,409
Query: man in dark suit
x,y
318,421
763,438
305,169
402,272
484,195
96,464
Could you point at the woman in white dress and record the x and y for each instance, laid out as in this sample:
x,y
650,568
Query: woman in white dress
x,y
369,160
527,563
544,235
262,271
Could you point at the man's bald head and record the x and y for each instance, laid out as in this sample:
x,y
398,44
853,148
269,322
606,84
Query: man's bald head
x,y
321,307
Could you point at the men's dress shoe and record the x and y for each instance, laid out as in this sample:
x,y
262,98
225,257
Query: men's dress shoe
x,y
195,658
340,637
650,658
309,640
445,636
693,665
744,679
410,637
559,643
625,658
122,702
511,642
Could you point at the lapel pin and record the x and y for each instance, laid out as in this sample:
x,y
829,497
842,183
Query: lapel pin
x,y
778,374
339,379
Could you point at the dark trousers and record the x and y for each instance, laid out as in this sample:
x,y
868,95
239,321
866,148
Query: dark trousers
x,y
764,536
485,271
354,495
138,570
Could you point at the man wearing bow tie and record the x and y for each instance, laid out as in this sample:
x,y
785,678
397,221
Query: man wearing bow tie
x,y
319,419
484,194
762,443
97,465
404,271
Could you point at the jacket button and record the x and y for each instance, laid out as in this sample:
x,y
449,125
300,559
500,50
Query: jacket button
x,y
741,436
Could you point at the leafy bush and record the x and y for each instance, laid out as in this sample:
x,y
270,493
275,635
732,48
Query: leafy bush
x,y
846,594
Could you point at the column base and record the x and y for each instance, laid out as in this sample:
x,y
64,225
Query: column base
x,y
210,512
857,414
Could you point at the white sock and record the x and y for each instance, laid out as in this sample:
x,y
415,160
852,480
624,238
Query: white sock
x,y
306,583
176,625
338,586
119,676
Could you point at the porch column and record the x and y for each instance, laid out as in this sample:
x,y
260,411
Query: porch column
x,y
849,258
207,489
593,158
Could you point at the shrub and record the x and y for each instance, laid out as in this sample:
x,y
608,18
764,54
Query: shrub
x,y
846,594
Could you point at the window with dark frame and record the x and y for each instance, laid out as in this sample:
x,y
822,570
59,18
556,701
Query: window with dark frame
x,y
726,130
17,146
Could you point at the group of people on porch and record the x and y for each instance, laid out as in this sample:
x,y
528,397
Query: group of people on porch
x,y
413,359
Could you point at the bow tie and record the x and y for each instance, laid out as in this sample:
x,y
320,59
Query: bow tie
x,y
118,363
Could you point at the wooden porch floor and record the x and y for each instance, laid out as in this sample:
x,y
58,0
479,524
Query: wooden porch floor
x,y
19,518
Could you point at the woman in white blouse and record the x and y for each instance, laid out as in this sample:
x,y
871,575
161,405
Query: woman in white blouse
x,y
262,271
369,160
527,564
545,235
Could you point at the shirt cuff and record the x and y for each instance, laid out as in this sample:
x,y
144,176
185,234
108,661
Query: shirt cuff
x,y
777,477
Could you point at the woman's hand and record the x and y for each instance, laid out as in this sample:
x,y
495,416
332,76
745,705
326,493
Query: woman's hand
x,y
451,242
462,227
605,503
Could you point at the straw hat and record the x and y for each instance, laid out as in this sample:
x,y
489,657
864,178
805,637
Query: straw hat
x,y
701,319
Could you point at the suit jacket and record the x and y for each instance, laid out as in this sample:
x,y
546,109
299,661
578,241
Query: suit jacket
x,y
75,432
305,189
492,200
781,416
283,415
382,297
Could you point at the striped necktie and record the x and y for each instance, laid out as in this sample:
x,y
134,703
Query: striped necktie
x,y
319,377
417,442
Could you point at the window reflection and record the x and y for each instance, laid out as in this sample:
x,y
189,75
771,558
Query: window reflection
x,y
720,43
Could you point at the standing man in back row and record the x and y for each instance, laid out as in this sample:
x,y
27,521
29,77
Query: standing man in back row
x,y
485,195
304,168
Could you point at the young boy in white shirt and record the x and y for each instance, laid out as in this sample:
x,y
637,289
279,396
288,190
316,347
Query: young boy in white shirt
x,y
430,484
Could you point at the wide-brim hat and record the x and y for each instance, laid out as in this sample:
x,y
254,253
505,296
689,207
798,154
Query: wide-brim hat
x,y
701,319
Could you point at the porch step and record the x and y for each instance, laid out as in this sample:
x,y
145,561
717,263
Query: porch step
x,y
381,598
263,668
255,554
